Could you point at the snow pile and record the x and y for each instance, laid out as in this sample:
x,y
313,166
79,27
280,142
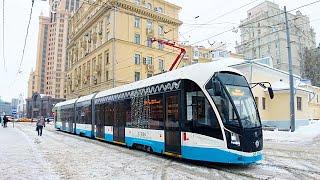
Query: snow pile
x,y
302,134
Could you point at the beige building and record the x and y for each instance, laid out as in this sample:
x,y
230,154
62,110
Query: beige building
x,y
314,101
201,54
267,37
32,84
110,43
49,74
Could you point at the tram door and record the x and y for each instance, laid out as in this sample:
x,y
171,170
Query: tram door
x,y
172,128
99,123
119,123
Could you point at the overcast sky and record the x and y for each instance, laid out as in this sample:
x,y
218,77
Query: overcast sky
x,y
17,14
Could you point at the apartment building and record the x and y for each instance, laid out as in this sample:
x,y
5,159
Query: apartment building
x,y
263,34
49,74
110,43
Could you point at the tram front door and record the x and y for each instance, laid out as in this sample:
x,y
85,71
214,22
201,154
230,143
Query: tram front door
x,y
172,128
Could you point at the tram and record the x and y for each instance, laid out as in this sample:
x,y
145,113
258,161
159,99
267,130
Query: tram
x,y
202,112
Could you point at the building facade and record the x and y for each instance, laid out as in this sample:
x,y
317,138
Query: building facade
x,y
21,107
5,108
263,34
42,55
110,43
40,105
49,75
201,54
31,83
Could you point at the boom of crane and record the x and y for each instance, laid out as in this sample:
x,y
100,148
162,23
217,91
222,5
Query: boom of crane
x,y
172,44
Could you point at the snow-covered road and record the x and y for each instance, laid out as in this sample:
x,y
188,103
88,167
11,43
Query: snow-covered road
x,y
58,155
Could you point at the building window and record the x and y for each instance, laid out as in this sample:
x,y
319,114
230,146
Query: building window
x,y
107,75
264,103
137,58
160,30
137,38
136,76
106,57
299,103
149,60
137,22
159,9
161,68
149,25
108,35
160,46
149,6
149,42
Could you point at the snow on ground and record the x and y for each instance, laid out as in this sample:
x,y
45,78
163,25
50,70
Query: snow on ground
x,y
58,155
302,134
19,157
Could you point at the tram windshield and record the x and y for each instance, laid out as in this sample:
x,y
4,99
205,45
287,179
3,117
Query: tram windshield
x,y
233,98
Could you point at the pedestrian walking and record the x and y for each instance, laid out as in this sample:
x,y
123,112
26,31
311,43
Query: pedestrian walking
x,y
40,124
5,120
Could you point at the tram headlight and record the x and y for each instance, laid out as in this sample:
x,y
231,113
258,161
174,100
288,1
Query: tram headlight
x,y
235,139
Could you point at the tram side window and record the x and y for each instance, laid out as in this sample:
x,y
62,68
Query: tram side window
x,y
139,112
69,115
108,113
156,119
201,118
99,114
78,115
121,112
87,115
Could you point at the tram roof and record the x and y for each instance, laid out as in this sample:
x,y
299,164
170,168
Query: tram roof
x,y
199,73
64,103
85,98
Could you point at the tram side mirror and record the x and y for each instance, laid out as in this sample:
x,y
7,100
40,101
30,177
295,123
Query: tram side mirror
x,y
271,94
218,88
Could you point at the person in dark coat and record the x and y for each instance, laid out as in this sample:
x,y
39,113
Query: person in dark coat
x,y
5,120
40,124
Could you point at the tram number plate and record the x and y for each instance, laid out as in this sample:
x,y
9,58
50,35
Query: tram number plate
x,y
142,134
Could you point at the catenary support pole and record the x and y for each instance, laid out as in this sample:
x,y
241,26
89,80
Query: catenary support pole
x,y
292,113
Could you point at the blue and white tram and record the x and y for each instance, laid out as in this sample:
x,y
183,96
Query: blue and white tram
x,y
201,112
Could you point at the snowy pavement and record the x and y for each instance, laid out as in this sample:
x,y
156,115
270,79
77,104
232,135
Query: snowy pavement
x,y
58,155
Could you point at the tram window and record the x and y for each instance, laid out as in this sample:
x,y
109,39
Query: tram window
x,y
201,118
155,103
87,115
223,104
140,113
108,114
121,112
99,114
127,111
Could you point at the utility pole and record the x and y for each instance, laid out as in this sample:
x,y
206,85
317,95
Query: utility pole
x,y
292,113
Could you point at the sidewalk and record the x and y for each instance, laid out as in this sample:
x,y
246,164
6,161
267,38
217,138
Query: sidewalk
x,y
19,159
